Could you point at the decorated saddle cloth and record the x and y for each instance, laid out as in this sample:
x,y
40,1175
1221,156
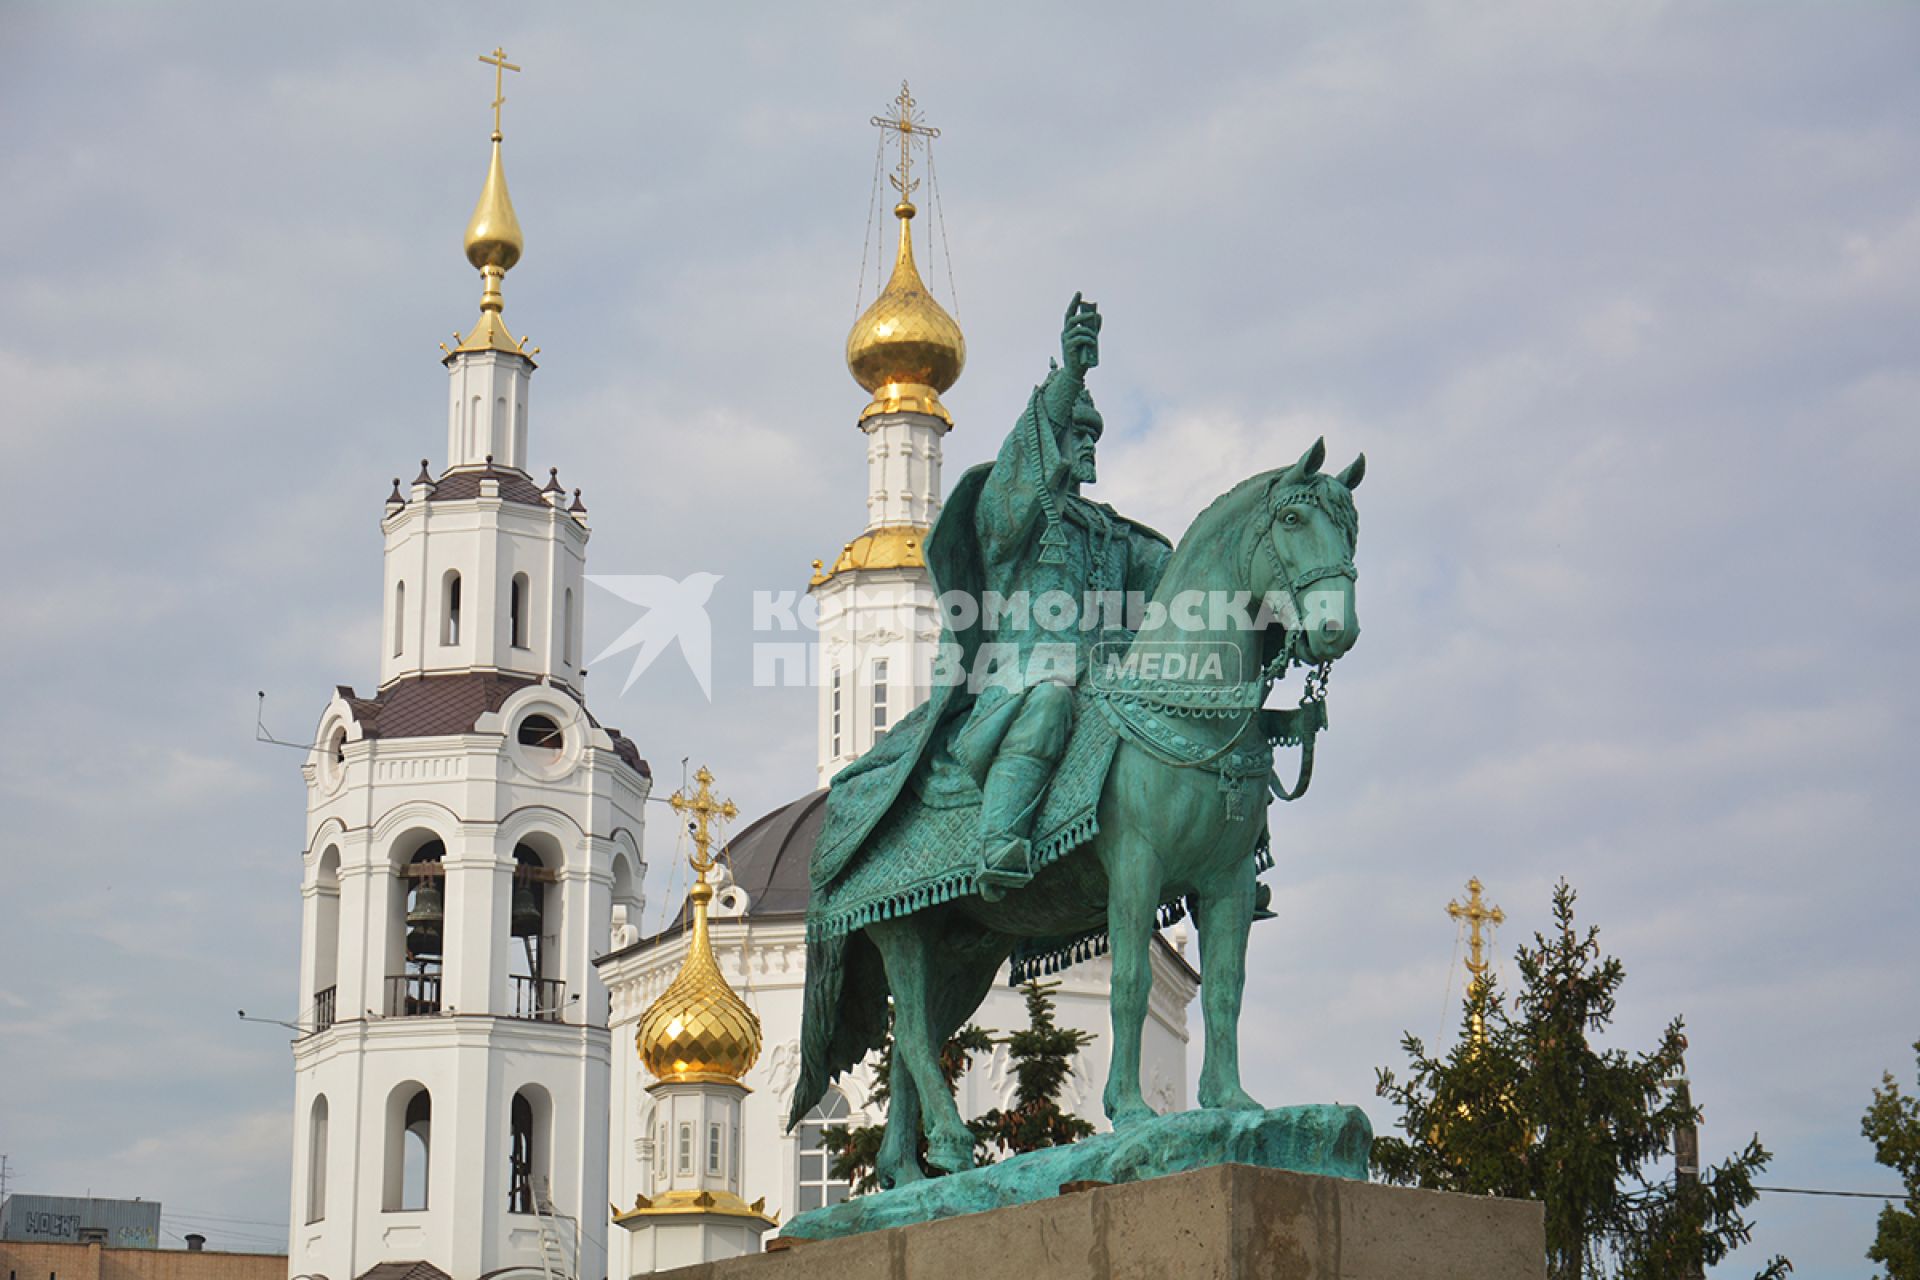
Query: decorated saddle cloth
x,y
926,849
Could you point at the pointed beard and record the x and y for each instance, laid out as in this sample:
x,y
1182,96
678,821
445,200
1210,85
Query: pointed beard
x,y
1083,470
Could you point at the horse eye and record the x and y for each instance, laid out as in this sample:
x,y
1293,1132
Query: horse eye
x,y
1292,517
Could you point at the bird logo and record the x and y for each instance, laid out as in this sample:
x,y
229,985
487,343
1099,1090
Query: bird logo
x,y
671,611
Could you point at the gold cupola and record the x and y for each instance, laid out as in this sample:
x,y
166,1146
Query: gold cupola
x,y
494,242
699,1030
905,349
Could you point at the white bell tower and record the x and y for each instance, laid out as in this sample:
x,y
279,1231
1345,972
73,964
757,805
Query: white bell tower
x,y
879,627
472,832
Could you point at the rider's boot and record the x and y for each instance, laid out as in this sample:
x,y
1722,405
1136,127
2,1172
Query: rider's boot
x,y
1013,789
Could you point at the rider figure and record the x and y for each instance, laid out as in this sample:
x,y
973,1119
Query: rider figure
x,y
1037,535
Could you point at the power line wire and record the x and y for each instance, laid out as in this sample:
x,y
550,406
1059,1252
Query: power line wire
x,y
1809,1191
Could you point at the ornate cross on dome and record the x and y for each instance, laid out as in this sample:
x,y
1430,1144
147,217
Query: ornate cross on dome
x,y
498,61
1477,914
906,122
704,808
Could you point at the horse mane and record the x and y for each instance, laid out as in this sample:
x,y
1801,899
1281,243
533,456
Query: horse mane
x,y
1230,504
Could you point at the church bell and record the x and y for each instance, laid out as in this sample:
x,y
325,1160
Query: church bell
x,y
425,920
526,910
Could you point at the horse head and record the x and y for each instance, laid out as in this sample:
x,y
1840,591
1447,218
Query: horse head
x,y
1301,552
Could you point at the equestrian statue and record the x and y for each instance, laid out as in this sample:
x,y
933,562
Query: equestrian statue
x,y
1095,759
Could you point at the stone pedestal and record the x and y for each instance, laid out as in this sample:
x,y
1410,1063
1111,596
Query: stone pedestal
x,y
1229,1222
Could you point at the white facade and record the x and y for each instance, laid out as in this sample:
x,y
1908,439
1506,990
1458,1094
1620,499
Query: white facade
x,y
451,1108
764,960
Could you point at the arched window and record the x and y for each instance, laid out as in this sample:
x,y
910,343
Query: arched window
x,y
566,631
533,920
409,1148
317,1160
542,738
816,1182
520,1155
879,695
517,610
399,618
450,608
836,712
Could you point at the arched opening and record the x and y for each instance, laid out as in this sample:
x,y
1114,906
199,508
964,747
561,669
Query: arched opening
x,y
399,618
566,631
815,1181
450,608
420,928
317,1160
409,1148
326,938
529,1139
532,924
517,610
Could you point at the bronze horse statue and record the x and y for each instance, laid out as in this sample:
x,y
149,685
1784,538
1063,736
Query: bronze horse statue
x,y
1181,819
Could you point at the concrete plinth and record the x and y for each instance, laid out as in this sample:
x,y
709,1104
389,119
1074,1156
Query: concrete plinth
x,y
1229,1222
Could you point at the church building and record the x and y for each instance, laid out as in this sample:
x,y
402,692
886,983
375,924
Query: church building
x,y
494,1076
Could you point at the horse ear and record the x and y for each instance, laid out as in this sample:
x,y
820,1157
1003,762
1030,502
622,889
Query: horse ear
x,y
1309,463
1354,474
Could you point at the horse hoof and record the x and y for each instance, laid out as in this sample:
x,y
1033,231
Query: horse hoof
x,y
1132,1114
1231,1100
950,1156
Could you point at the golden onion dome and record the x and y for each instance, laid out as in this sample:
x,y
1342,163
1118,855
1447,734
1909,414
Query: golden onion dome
x,y
699,1029
891,547
494,244
905,348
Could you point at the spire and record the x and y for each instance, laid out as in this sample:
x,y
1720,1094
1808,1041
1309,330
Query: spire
x,y
494,242
905,348
700,1029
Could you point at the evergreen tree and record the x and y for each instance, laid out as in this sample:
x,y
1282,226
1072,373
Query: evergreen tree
x,y
856,1152
1892,1124
1042,1058
1525,1106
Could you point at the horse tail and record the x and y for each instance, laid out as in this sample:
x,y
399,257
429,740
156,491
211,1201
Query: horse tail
x,y
843,1018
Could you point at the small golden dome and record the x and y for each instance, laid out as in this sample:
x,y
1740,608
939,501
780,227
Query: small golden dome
x,y
699,1030
905,348
892,547
493,236
494,244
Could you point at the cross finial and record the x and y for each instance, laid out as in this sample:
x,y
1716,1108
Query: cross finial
x,y
704,808
1477,914
498,61
905,121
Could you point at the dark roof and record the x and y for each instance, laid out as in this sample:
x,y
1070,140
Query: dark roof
x,y
515,486
769,857
404,1271
436,706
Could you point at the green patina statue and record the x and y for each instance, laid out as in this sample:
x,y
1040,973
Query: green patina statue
x,y
1094,760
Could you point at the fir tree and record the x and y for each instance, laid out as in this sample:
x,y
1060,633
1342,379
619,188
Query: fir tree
x,y
1042,1058
1527,1107
1892,1124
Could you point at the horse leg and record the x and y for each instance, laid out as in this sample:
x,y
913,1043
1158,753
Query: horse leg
x,y
1224,913
1133,894
907,949
898,1161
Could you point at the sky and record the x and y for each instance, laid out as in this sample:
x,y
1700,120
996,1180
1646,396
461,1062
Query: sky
x,y
1621,300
